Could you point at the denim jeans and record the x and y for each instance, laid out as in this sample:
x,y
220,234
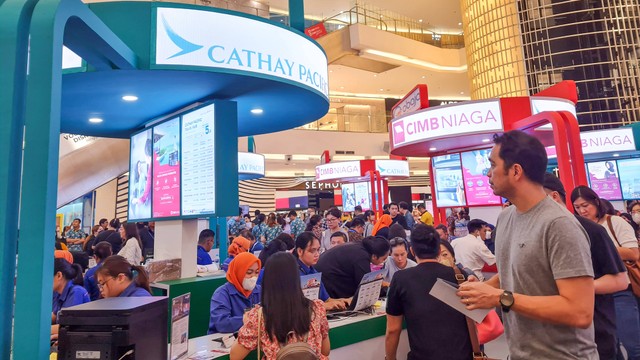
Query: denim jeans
x,y
628,322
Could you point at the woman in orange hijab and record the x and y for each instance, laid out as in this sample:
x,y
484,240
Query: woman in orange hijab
x,y
382,226
238,245
230,301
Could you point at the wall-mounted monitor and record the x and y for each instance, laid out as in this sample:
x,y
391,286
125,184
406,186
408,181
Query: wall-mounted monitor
x,y
198,158
475,167
604,179
140,175
173,165
449,183
166,169
629,171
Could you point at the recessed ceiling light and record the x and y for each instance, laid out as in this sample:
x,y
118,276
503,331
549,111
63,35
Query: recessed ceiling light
x,y
257,111
616,155
433,149
461,92
330,71
375,75
341,87
381,89
459,24
95,120
424,76
420,20
486,140
130,98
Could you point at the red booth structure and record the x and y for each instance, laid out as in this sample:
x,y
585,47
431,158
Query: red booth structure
x,y
467,126
375,173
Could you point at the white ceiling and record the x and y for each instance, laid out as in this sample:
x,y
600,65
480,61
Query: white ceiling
x,y
441,16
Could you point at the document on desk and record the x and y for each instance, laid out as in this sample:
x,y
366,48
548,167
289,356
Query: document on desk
x,y
445,292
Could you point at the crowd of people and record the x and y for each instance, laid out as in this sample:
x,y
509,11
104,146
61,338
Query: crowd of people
x,y
559,279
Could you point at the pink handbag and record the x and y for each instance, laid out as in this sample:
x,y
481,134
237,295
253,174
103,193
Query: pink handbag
x,y
490,328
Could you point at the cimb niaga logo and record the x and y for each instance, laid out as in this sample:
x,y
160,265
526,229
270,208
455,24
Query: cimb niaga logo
x,y
398,132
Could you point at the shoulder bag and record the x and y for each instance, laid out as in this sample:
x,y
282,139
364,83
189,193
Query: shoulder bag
x,y
633,268
471,326
292,351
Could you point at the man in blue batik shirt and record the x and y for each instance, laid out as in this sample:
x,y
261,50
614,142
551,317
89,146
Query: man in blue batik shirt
x,y
236,224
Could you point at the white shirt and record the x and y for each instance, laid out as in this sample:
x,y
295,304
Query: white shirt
x,y
472,253
624,232
131,251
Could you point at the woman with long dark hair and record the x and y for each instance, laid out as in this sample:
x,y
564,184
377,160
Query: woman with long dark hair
x,y
307,253
588,204
273,229
67,287
132,249
118,278
286,315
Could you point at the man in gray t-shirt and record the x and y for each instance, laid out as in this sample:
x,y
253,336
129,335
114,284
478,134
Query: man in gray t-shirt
x,y
545,276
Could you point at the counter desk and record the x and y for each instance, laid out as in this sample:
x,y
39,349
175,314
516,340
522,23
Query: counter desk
x,y
201,289
358,337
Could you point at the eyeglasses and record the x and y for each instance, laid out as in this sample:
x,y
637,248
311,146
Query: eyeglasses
x,y
331,219
101,285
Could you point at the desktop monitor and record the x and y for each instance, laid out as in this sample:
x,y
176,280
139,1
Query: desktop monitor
x,y
114,328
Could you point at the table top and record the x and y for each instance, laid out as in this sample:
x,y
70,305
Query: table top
x,y
204,347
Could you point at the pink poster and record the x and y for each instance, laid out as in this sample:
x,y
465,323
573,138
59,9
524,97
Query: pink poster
x,y
166,169
603,177
475,167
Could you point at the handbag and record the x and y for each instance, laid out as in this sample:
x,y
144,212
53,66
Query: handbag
x,y
490,328
471,326
633,268
292,351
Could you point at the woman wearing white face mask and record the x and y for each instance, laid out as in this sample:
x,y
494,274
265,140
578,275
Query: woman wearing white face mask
x,y
230,301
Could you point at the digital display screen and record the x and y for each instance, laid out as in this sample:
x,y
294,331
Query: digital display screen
x,y
448,181
348,197
629,171
140,175
363,195
166,169
604,179
475,167
198,170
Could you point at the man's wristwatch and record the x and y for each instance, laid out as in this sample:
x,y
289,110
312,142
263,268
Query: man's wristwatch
x,y
506,301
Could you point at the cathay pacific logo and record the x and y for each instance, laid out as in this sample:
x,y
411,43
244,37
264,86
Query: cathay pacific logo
x,y
184,45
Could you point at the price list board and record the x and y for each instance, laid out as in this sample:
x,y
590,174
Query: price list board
x,y
198,157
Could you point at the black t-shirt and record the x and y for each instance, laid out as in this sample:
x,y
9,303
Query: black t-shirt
x,y
146,238
606,260
113,238
400,219
342,269
436,330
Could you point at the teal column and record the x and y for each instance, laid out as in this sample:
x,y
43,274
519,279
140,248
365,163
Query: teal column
x,y
296,14
15,17
220,224
251,144
39,186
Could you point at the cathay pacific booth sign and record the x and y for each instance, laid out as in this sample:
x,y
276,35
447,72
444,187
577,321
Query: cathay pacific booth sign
x,y
203,38
250,166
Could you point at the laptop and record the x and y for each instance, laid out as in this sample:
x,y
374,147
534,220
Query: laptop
x,y
366,295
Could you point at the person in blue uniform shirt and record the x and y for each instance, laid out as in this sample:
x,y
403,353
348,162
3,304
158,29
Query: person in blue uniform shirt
x,y
307,253
67,287
102,251
205,243
118,278
241,292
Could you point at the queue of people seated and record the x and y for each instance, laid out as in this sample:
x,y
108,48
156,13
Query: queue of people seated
x,y
116,274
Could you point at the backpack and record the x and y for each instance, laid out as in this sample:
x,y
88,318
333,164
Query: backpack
x,y
292,351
